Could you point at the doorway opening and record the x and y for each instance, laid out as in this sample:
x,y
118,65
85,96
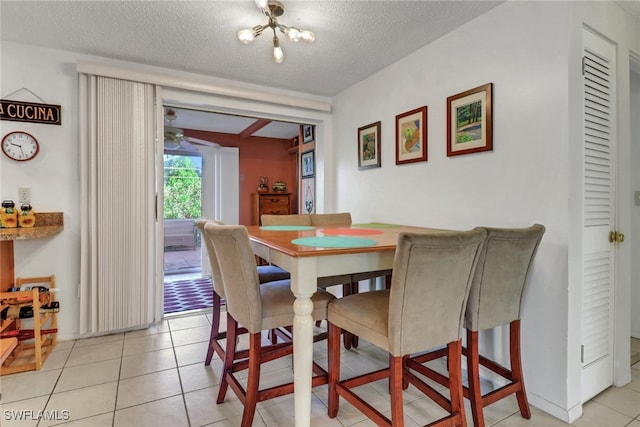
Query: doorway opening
x,y
185,289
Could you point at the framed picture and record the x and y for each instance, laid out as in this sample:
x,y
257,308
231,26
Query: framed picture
x,y
470,121
411,136
369,146
307,166
307,133
308,196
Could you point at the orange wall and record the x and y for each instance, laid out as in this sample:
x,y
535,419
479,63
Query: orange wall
x,y
258,157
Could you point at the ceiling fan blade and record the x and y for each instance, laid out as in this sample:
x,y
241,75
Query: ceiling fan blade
x,y
188,145
204,142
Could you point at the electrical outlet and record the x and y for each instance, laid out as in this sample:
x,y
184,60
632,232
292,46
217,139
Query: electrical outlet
x,y
637,198
24,195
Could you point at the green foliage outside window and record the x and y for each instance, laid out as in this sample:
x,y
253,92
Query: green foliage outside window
x,y
182,188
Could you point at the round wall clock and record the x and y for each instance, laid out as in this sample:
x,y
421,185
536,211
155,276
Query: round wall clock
x,y
20,146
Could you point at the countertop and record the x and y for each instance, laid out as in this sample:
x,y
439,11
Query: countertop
x,y
47,224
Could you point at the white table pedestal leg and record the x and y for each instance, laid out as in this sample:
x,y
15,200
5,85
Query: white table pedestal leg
x,y
302,360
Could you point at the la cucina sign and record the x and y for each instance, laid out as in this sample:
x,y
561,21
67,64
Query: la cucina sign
x,y
31,112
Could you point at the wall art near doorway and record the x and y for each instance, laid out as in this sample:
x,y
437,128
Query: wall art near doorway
x,y
469,121
308,196
369,146
307,166
307,133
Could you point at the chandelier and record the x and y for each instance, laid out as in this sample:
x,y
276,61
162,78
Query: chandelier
x,y
274,9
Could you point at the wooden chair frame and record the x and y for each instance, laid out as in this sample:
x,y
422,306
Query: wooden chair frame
x,y
400,377
236,361
473,392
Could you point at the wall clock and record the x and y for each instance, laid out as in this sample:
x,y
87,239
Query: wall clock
x,y
20,146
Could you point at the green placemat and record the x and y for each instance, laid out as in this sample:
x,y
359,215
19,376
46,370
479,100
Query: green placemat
x,y
376,225
334,242
287,227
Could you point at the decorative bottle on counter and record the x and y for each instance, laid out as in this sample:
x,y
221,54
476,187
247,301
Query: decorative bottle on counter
x,y
26,218
8,214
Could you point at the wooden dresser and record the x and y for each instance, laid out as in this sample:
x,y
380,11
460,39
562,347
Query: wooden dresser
x,y
269,203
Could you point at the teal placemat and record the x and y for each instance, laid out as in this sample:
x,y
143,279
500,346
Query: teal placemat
x,y
334,242
287,227
376,225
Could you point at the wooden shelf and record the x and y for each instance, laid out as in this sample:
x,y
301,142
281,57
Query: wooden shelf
x,y
28,354
47,224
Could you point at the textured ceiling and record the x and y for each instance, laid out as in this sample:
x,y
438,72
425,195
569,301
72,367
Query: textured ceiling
x,y
354,39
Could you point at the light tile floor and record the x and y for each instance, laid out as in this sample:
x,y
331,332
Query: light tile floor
x,y
156,377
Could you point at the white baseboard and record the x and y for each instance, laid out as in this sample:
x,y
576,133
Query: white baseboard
x,y
567,415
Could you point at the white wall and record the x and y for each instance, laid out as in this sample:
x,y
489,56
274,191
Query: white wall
x,y
527,49
531,52
52,175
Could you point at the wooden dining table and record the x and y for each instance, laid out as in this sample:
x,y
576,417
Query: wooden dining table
x,y
358,248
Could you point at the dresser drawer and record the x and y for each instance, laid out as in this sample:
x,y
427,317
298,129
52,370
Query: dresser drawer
x,y
275,210
269,202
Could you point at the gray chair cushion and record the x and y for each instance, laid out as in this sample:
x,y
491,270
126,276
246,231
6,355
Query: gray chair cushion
x,y
499,282
331,219
277,304
216,278
256,307
267,219
266,273
365,315
271,273
432,275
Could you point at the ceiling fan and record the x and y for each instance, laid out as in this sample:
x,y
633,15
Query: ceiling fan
x,y
174,138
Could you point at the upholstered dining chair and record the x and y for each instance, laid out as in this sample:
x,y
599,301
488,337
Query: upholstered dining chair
x,y
266,273
423,309
495,299
291,219
330,219
351,285
257,308
305,219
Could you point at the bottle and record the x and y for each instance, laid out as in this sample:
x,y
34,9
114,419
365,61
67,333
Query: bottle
x,y
8,214
26,218
17,312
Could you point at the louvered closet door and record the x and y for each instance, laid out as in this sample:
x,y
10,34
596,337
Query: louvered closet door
x,y
598,204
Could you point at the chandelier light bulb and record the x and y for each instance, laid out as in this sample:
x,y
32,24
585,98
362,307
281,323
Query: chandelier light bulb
x,y
307,36
274,9
294,34
278,54
245,36
263,4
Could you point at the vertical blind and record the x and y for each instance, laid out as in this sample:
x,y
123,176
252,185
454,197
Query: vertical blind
x,y
117,204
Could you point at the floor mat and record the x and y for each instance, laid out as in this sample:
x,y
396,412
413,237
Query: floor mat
x,y
185,295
